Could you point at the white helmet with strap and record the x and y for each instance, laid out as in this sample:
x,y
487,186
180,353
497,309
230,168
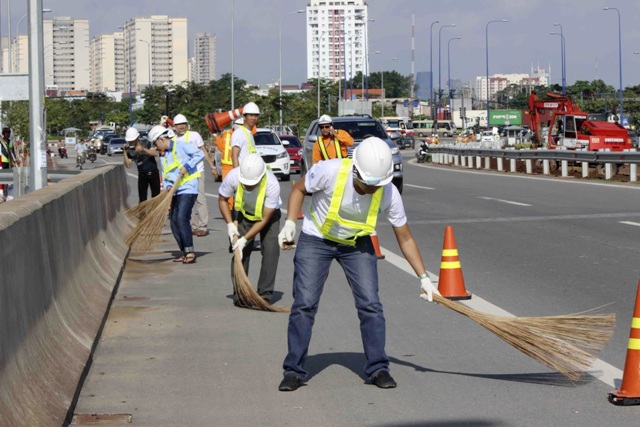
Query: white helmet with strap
x,y
374,162
158,131
179,119
250,108
252,169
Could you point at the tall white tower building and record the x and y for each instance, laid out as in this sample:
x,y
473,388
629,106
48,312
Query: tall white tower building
x,y
204,58
107,63
336,36
67,53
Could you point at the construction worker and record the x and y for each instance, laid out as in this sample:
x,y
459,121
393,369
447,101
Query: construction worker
x,y
242,142
332,143
200,215
148,173
347,196
179,168
258,206
223,144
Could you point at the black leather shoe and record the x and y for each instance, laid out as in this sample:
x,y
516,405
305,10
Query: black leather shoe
x,y
290,382
383,379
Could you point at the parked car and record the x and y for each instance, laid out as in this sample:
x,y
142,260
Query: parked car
x,y
116,146
294,148
487,136
359,127
269,146
104,141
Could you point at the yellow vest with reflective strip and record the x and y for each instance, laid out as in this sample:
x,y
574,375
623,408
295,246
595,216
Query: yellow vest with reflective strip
x,y
3,158
252,148
333,215
226,154
240,202
176,164
323,149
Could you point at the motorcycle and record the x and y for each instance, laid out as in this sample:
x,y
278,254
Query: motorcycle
x,y
422,153
80,160
92,156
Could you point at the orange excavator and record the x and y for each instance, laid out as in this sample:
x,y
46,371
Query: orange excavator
x,y
571,128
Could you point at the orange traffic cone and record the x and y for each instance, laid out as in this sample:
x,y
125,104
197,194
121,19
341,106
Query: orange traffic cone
x,y
629,391
217,121
376,245
300,216
451,282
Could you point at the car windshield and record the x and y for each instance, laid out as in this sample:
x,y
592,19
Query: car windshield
x,y
360,130
293,141
266,139
117,141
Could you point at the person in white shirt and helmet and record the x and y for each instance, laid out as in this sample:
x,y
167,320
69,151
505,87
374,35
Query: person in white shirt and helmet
x,y
346,198
242,142
200,215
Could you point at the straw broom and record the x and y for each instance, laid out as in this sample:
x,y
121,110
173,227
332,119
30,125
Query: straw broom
x,y
563,343
146,235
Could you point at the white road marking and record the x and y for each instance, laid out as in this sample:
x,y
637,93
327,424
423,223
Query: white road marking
x,y
505,201
601,370
637,224
418,186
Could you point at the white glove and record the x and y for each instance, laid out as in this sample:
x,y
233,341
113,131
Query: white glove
x,y
428,288
240,244
232,230
287,233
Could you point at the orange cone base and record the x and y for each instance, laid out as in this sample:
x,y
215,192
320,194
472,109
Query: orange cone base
x,y
619,399
451,285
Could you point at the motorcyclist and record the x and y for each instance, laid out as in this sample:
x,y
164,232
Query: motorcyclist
x,y
81,150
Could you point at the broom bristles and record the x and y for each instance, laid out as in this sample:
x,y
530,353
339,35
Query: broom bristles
x,y
146,235
141,210
245,292
563,343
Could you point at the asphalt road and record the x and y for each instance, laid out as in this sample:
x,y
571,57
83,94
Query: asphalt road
x,y
176,352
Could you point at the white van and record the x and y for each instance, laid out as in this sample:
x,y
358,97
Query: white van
x,y
444,128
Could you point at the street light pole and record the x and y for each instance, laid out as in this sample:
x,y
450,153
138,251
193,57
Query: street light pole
x,y
149,51
449,74
431,68
439,63
486,32
319,49
233,104
18,35
563,60
384,96
619,55
280,78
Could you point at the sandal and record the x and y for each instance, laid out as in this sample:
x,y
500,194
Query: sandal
x,y
190,258
181,259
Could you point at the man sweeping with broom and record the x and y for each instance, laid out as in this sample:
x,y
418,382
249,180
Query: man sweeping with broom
x,y
257,202
347,197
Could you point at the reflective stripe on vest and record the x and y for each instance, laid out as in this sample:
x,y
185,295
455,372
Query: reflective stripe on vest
x,y
226,153
259,201
176,164
3,150
324,150
250,142
358,229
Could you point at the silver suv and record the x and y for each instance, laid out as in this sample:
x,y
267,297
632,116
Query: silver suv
x,y
359,127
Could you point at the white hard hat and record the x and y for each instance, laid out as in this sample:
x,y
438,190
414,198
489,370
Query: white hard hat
x,y
373,161
179,119
131,135
158,131
250,108
325,119
252,169
239,122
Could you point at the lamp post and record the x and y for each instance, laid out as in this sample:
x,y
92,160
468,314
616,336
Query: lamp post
x,y
486,32
384,96
449,74
619,55
431,68
233,104
149,51
365,69
18,35
563,59
439,63
128,45
280,78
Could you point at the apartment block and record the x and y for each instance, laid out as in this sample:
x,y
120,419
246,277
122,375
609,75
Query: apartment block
x,y
67,53
107,63
499,82
204,58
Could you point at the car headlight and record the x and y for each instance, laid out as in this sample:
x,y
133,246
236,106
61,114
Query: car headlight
x,y
282,155
300,152
395,150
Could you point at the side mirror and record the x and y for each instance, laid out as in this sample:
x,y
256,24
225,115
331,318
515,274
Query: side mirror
x,y
395,136
285,142
313,138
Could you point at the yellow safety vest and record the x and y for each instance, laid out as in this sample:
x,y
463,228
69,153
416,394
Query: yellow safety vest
x,y
359,229
252,148
324,150
168,167
3,158
259,202
226,154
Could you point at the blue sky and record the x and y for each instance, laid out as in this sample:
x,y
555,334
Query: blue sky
x,y
591,34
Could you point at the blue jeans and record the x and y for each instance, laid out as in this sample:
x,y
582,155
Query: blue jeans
x,y
180,215
311,268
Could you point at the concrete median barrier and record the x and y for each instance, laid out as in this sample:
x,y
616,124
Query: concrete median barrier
x,y
61,256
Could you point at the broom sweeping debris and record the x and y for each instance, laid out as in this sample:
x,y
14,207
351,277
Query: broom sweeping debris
x,y
146,235
563,343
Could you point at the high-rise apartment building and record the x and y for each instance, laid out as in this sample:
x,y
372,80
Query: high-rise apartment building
x,y
67,53
20,54
204,58
107,63
336,38
498,82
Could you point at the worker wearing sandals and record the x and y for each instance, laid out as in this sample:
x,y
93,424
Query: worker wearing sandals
x,y
179,162
257,202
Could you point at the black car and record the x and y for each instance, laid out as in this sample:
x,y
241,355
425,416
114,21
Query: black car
x,y
359,127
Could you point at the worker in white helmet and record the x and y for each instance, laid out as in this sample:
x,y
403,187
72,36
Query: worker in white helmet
x,y
223,144
148,173
200,215
346,198
242,142
257,203
331,143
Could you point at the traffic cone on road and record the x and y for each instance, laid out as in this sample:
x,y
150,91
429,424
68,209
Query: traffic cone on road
x,y
217,121
629,392
451,282
376,245
300,215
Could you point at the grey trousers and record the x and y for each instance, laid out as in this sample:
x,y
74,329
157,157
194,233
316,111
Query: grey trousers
x,y
270,251
200,214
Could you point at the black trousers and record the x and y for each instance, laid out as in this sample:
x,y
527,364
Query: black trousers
x,y
146,180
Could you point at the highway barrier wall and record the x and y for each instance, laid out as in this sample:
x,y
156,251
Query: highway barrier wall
x,y
61,256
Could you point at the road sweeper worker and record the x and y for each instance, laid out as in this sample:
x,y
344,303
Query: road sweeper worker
x,y
200,215
179,168
257,202
346,198
242,142
148,173
332,143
